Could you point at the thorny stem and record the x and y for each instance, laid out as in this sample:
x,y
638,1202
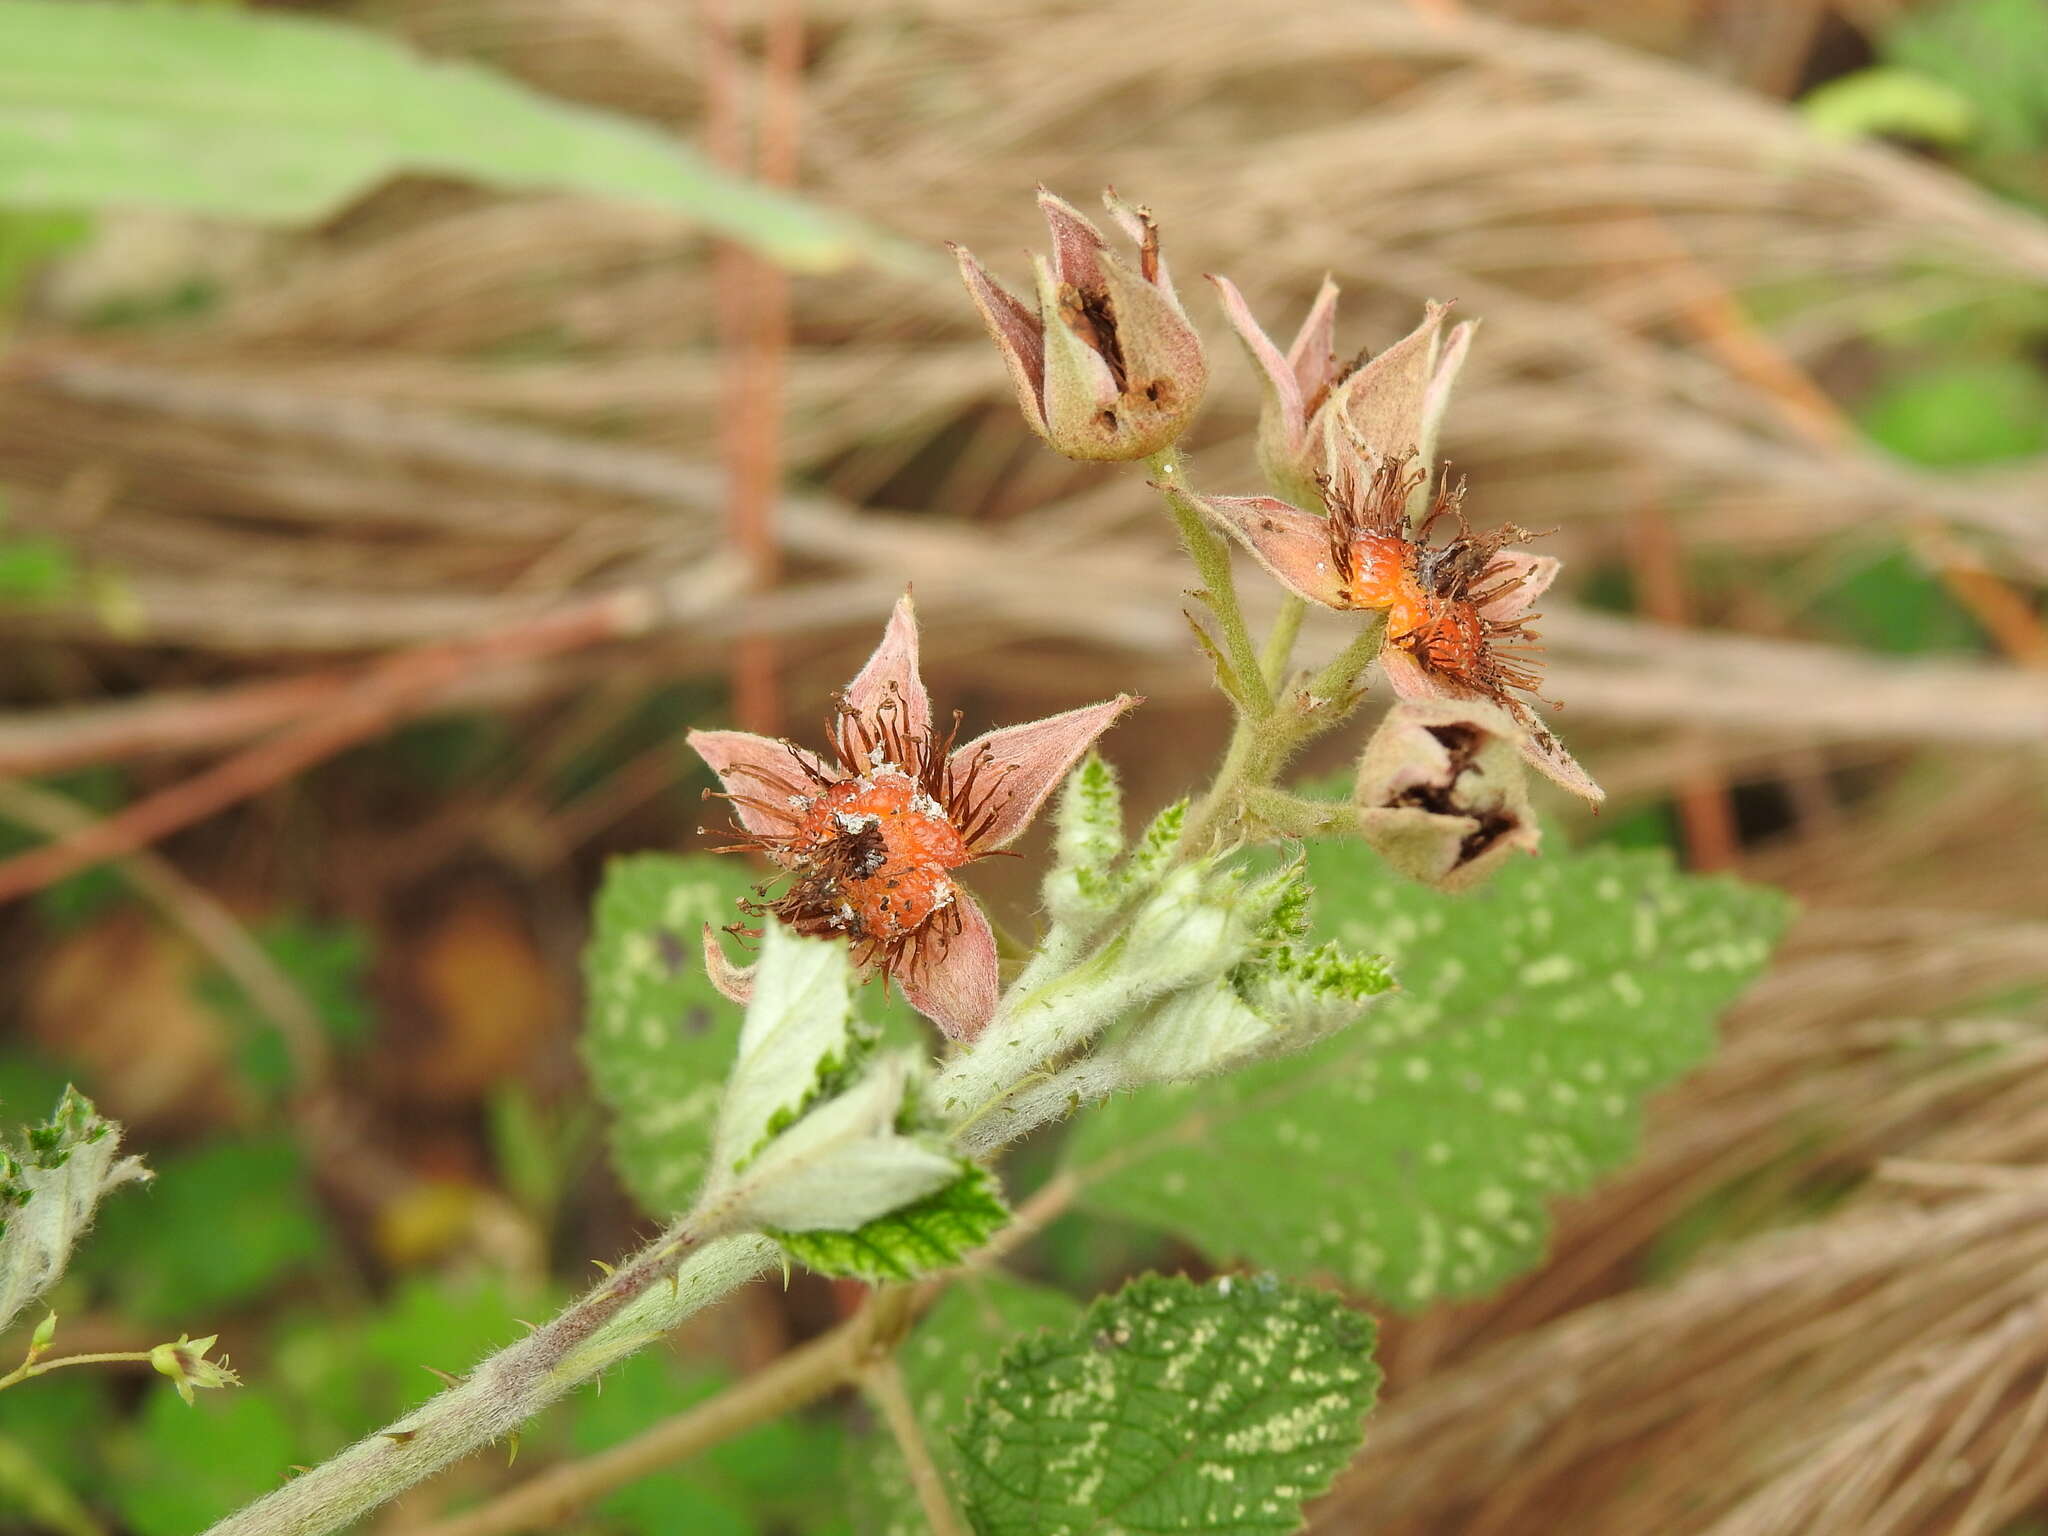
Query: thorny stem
x,y
807,1373
28,1368
1211,554
664,1284
883,1384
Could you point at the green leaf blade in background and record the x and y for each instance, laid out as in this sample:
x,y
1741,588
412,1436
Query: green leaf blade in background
x,y
283,119
1172,1407
660,1037
1414,1153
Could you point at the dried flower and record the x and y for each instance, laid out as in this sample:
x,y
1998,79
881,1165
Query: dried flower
x,y
1390,406
1457,612
1109,367
870,839
1441,792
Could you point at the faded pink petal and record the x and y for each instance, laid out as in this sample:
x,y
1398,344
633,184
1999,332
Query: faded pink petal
x,y
888,687
1410,679
759,774
1313,357
1016,331
734,981
1019,765
1437,397
1383,402
1287,541
1279,374
1538,743
1077,245
1533,575
957,987
1547,755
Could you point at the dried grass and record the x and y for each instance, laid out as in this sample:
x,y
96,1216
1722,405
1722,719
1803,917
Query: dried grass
x,y
444,413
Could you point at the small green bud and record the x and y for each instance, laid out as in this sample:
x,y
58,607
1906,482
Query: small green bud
x,y
39,1341
186,1364
1442,794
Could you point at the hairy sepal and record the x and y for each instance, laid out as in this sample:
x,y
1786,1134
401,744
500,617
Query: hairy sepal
x,y
1195,925
837,1168
799,1040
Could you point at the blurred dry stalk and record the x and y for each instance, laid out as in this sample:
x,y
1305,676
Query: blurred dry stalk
x,y
446,417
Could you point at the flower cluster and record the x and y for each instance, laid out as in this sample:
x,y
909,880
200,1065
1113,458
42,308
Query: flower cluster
x,y
1457,611
870,838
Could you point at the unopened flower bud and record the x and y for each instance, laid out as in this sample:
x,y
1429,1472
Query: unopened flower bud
x,y
1442,794
1388,407
1109,367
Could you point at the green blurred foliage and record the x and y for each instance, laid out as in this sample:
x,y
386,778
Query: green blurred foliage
x,y
186,1466
326,963
220,1227
1959,413
777,1477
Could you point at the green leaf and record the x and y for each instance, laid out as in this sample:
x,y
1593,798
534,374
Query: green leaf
x,y
1889,101
1413,1153
936,1232
1173,1407
958,1343
283,119
222,1225
660,1038
798,1041
53,1176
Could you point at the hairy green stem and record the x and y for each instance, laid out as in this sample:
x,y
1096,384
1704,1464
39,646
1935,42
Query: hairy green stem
x,y
30,1368
1211,553
1279,648
664,1284
1260,749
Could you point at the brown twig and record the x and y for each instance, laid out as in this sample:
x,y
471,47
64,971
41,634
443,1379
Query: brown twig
x,y
389,691
754,326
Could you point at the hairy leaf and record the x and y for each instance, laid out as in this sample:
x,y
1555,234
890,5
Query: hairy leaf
x,y
1413,1153
1173,1407
660,1038
283,119
797,1040
52,1179
844,1164
936,1232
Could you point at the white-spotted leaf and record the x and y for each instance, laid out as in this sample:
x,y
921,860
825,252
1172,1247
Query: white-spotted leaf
x,y
660,1039
1413,1154
1172,1407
